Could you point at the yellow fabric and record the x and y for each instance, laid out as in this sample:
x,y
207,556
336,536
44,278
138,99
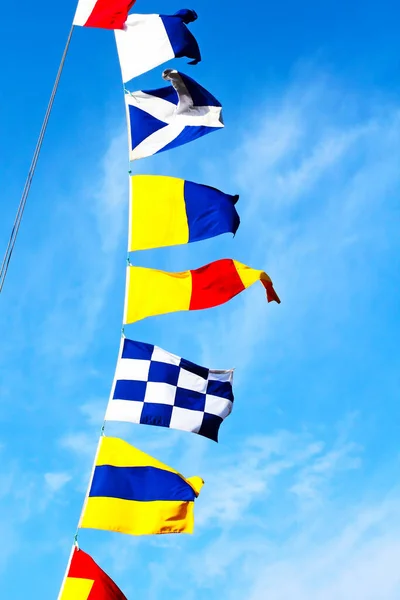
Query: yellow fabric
x,y
196,483
76,589
138,518
248,275
157,212
117,453
150,292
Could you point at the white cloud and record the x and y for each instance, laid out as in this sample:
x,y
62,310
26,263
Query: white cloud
x,y
81,292
357,561
56,481
296,463
248,519
347,552
81,443
25,495
314,175
94,411
245,476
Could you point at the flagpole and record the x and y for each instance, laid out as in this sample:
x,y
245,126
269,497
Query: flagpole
x,y
25,193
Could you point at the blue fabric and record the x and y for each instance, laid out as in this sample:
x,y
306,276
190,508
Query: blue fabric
x,y
142,125
222,389
138,350
130,390
189,134
200,96
209,212
193,368
156,414
187,15
190,399
142,484
210,426
182,40
164,373
167,93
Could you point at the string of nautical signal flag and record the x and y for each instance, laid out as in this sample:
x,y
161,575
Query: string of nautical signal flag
x,y
129,491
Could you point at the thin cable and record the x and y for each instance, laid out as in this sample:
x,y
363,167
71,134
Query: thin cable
x,y
14,232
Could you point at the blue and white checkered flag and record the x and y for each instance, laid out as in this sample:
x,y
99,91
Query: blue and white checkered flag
x,y
155,387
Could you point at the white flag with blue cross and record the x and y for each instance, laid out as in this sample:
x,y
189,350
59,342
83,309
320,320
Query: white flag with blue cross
x,y
154,387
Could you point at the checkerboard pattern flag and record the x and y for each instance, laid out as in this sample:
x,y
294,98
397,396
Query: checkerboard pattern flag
x,y
154,387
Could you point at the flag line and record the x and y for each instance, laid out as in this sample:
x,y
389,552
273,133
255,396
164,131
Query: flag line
x,y
32,169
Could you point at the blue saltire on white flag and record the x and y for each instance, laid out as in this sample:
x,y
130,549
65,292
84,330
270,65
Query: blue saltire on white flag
x,y
151,40
170,116
154,387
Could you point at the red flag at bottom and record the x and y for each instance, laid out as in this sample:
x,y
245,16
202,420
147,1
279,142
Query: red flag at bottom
x,y
86,581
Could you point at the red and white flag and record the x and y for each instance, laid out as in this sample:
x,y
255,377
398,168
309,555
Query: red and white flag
x,y
107,14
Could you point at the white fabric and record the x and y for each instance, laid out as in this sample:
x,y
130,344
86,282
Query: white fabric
x,y
126,367
221,376
83,11
184,419
161,355
209,116
160,393
218,406
126,412
191,381
142,45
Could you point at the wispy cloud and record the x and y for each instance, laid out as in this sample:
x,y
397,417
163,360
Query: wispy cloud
x,y
355,561
25,495
56,481
80,297
247,508
240,479
314,174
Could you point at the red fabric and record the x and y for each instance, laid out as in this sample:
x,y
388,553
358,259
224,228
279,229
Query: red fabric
x,y
84,567
272,296
215,284
110,14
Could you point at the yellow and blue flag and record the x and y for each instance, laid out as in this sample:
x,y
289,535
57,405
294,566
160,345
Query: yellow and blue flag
x,y
165,211
133,493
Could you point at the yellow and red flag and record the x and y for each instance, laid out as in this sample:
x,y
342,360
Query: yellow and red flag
x,y
86,581
150,292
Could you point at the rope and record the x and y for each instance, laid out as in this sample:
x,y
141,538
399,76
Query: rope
x,y
32,169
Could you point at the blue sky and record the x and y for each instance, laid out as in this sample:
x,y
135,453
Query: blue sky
x,y
302,497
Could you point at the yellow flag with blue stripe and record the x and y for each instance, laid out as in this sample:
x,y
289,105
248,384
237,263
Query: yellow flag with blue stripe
x,y
133,493
165,211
